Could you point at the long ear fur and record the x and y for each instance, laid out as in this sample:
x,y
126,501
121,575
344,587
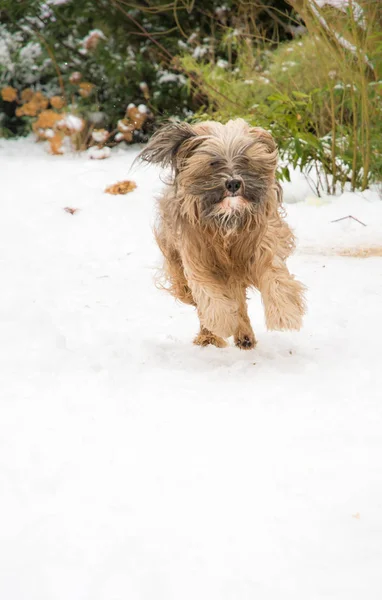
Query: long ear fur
x,y
264,137
164,145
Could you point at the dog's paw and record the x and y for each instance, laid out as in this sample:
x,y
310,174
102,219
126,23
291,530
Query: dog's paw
x,y
206,338
245,342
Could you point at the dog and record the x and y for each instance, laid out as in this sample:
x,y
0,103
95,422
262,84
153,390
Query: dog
x,y
221,228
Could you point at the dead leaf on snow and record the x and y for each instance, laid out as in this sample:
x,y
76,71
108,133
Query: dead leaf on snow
x,y
122,187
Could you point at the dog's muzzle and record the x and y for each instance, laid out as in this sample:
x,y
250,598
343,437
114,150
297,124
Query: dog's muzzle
x,y
233,203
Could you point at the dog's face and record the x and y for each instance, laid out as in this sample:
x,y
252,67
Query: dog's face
x,y
222,172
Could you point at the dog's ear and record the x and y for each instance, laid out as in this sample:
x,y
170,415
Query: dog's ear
x,y
264,150
264,137
169,142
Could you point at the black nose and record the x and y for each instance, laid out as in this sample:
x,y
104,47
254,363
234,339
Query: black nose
x,y
233,185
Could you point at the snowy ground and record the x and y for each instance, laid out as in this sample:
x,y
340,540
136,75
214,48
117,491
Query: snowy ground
x,y
136,466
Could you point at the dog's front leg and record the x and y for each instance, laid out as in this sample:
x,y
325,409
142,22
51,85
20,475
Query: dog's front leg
x,y
283,297
218,307
244,336
217,310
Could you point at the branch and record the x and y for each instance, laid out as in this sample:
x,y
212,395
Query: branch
x,y
171,57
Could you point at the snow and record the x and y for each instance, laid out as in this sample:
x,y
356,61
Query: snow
x,y
346,6
222,64
30,52
123,126
72,122
136,465
9,44
97,117
93,33
167,77
98,153
199,52
49,133
100,135
342,5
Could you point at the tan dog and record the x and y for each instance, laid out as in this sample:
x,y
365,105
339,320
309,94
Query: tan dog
x,y
221,228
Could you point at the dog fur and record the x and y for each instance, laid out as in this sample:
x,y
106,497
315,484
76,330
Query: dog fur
x,y
215,243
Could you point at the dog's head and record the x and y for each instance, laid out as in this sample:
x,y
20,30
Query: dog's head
x,y
223,173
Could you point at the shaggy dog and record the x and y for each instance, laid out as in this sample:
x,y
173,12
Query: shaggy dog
x,y
221,228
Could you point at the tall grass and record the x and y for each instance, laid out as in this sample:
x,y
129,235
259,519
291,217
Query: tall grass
x,y
321,94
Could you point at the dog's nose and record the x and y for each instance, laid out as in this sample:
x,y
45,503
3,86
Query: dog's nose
x,y
233,185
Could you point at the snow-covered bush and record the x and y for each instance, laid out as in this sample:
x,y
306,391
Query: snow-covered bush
x,y
61,124
45,46
123,53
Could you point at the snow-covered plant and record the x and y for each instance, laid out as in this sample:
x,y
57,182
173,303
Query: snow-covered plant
x,y
62,125
321,94
116,47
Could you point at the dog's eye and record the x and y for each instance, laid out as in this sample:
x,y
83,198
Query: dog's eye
x,y
215,163
242,162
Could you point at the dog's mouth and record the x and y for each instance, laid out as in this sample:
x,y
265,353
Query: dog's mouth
x,y
225,208
233,203
229,212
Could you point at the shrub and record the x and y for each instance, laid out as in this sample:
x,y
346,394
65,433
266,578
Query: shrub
x,y
320,95
124,51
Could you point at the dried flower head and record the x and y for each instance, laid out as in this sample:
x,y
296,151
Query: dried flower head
x,y
57,102
86,89
126,129
100,135
124,125
27,95
91,41
9,94
55,143
40,101
30,109
137,115
75,77
47,119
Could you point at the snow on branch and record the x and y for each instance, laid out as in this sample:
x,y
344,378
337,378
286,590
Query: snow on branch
x,y
341,5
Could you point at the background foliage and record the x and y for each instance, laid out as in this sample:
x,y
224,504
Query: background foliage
x,y
310,70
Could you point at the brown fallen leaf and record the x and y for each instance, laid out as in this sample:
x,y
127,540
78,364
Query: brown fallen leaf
x,y
122,187
70,210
